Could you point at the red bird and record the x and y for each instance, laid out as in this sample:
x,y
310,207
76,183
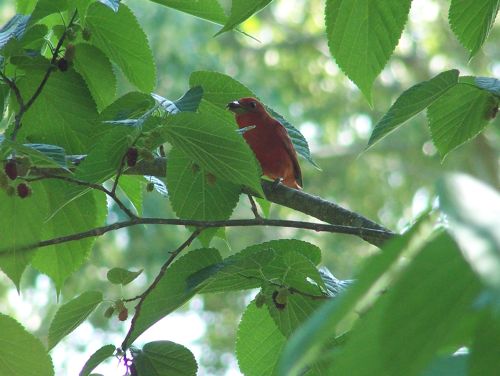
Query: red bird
x,y
269,141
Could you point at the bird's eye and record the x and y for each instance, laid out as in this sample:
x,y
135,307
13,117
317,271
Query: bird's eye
x,y
253,104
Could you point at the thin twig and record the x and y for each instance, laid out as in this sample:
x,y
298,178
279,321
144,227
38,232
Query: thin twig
x,y
318,227
253,205
14,88
98,187
160,275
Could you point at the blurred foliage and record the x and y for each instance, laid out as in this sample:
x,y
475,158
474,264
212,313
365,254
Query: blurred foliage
x,y
286,62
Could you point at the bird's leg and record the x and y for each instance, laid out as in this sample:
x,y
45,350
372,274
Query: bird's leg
x,y
277,182
255,211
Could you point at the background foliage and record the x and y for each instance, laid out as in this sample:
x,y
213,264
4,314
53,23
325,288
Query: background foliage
x,y
289,67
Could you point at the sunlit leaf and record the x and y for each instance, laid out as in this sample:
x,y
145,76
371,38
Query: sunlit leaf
x,y
240,11
97,358
164,358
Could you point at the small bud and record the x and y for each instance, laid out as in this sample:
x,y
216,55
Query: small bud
x,y
260,299
211,179
11,169
63,65
123,315
279,305
150,187
109,312
10,190
132,155
69,54
86,34
23,190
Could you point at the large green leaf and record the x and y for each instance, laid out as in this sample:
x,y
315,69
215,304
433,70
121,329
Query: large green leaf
x,y
210,139
164,358
455,365
64,114
305,346
472,209
240,11
471,21
22,354
194,194
171,291
120,276
220,89
484,359
21,224
362,34
458,116
411,102
259,342
120,36
41,155
97,71
252,266
97,358
45,8
209,10
86,212
71,314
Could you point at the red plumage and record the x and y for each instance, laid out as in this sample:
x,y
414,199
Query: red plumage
x,y
269,141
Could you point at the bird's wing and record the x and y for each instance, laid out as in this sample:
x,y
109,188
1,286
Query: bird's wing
x,y
287,143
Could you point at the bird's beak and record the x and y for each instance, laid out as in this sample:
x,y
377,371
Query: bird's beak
x,y
235,107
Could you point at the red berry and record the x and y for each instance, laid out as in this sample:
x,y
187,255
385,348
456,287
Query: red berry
x,y
132,155
23,190
11,169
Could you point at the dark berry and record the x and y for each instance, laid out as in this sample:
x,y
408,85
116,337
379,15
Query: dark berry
x,y
150,187
123,315
23,190
11,169
132,155
63,65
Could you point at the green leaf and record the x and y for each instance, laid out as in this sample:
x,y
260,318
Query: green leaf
x,y
97,358
71,314
22,354
120,36
455,365
41,155
188,102
210,139
464,13
120,276
458,116
446,288
220,89
486,347
21,224
472,209
164,358
411,102
13,29
207,9
172,290
194,194
97,71
45,8
86,212
489,84
362,34
133,187
242,10
64,114
259,342
248,268
297,310
305,346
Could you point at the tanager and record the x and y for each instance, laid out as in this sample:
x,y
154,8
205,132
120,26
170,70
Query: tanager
x,y
269,140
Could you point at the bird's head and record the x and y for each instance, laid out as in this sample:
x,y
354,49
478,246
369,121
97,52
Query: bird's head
x,y
246,105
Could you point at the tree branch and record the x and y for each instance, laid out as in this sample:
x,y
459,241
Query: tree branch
x,y
160,275
318,227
